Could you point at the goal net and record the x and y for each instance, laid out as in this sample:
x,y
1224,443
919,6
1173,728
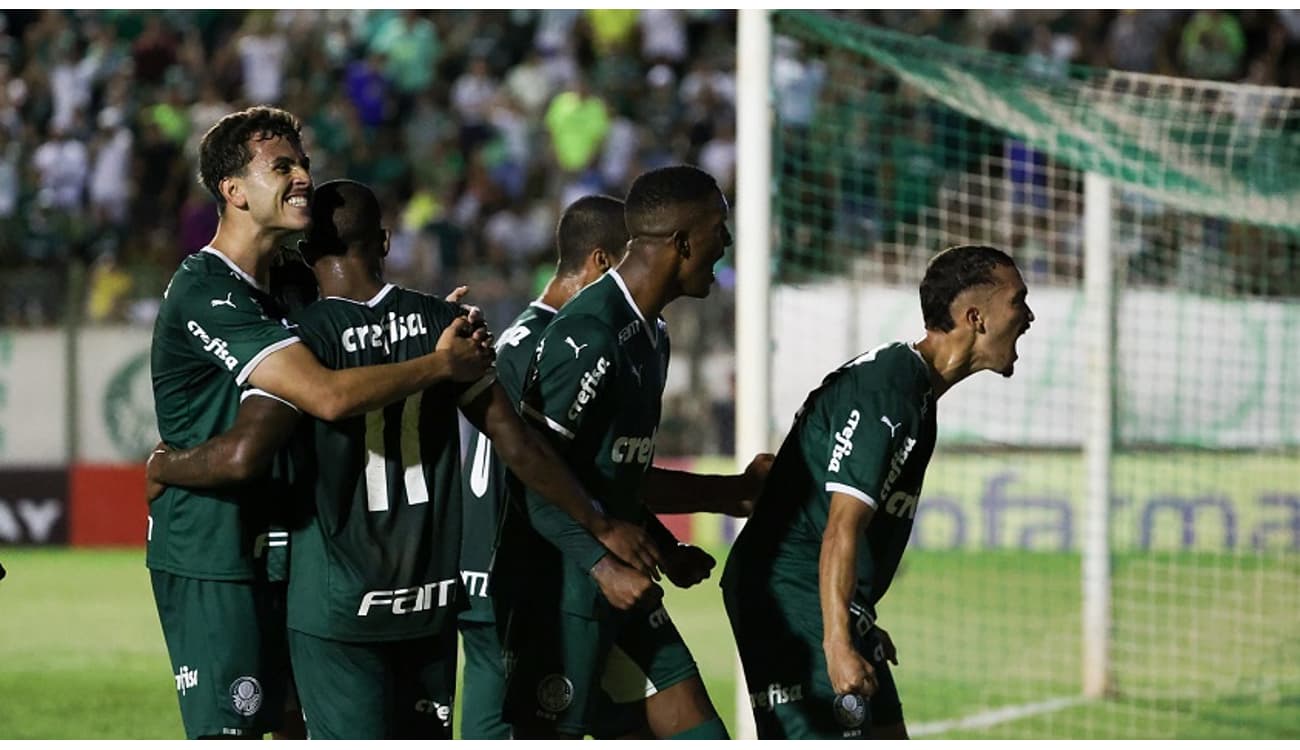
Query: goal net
x,y
888,148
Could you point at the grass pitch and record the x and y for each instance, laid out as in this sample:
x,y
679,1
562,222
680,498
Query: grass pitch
x,y
1204,647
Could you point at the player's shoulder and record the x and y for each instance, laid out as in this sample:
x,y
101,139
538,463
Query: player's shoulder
x,y
200,270
894,369
588,325
405,301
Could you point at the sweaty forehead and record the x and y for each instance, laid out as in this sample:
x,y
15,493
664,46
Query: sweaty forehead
x,y
269,149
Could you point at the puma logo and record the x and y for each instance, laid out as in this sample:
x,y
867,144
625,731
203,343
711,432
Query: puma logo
x,y
226,302
577,350
892,427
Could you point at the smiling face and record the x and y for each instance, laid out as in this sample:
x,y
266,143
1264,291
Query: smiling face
x,y
275,186
1005,317
707,239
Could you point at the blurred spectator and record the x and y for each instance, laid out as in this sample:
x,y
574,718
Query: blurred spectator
x,y
409,43
368,89
154,51
109,288
471,96
110,175
577,121
529,84
1213,45
663,37
1136,40
262,51
62,163
718,157
612,31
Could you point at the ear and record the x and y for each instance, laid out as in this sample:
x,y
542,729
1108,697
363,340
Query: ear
x,y
974,319
683,243
600,259
232,189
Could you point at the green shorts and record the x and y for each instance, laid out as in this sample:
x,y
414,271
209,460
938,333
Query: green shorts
x,y
577,675
484,685
226,642
790,692
376,691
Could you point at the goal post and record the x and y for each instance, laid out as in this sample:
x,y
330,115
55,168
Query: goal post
x,y
1108,544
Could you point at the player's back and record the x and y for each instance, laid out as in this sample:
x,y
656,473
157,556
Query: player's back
x,y
867,431
376,557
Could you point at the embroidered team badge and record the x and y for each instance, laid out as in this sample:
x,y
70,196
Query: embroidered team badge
x,y
850,710
246,695
555,693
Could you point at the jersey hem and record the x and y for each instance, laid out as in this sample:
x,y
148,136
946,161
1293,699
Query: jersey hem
x,y
551,423
267,351
853,492
476,390
266,394
199,576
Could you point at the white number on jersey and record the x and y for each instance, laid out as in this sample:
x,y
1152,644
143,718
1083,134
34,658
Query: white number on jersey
x,y
481,472
408,450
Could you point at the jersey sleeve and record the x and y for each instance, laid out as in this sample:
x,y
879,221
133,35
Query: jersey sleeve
x,y
515,349
573,376
228,326
863,435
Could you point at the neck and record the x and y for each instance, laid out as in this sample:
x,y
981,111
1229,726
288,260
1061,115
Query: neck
x,y
948,359
560,289
248,246
346,276
650,287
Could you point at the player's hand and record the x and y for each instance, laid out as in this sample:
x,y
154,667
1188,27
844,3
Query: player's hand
x,y
625,587
629,543
752,482
849,671
153,489
471,312
468,358
686,565
887,646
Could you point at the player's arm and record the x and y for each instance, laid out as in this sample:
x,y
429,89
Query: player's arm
x,y
569,518
849,515
294,374
243,452
672,491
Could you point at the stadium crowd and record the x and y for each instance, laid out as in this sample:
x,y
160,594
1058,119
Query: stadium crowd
x,y
477,126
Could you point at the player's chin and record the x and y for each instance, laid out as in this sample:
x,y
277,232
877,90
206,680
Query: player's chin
x,y
701,287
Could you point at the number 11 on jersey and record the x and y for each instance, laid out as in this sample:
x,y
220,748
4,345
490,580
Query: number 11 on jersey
x,y
407,455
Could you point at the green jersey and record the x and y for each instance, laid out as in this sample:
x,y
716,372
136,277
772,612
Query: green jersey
x,y
488,485
376,556
596,385
214,327
868,431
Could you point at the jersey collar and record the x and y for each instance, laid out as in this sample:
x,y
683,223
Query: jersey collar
x,y
235,268
651,333
373,301
540,305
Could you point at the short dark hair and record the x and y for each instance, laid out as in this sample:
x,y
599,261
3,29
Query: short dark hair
x,y
952,272
344,213
659,191
224,151
592,221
